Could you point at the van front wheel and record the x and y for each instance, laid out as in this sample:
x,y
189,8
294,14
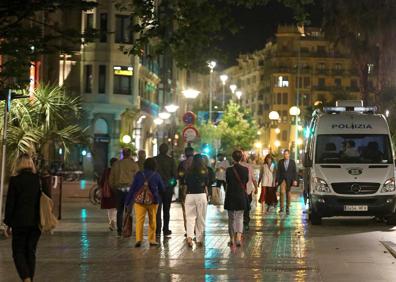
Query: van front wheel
x,y
315,218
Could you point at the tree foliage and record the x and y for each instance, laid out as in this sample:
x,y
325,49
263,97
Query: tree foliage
x,y
30,28
238,130
48,117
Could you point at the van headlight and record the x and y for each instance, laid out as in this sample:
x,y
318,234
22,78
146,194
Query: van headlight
x,y
320,186
389,185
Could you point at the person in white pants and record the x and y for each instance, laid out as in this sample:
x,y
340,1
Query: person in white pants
x,y
197,181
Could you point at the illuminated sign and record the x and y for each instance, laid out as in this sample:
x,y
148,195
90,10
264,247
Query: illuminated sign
x,y
122,70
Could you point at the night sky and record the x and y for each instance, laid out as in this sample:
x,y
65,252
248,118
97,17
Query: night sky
x,y
258,26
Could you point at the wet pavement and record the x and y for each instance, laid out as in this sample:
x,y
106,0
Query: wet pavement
x,y
276,248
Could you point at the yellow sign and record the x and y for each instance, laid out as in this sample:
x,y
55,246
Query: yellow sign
x,y
123,72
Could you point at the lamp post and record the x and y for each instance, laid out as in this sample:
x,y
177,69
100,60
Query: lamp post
x,y
190,94
274,130
238,94
295,112
223,79
211,65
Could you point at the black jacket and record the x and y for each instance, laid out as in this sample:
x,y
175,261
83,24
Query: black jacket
x,y
235,198
289,175
23,200
166,167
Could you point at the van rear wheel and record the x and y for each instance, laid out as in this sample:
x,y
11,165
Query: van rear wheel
x,y
391,220
315,218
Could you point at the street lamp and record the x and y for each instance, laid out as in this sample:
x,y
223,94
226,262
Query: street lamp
x,y
233,87
295,111
164,115
238,94
211,65
158,121
171,108
387,113
190,93
126,139
223,79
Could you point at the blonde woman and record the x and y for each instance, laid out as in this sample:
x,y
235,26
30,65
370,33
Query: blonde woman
x,y
22,216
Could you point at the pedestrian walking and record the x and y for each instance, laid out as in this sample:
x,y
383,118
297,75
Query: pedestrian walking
x,y
267,179
145,193
121,176
221,165
286,177
22,216
182,169
211,175
166,167
108,200
235,202
251,187
141,157
197,180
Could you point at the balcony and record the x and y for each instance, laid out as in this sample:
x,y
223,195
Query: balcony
x,y
337,71
322,71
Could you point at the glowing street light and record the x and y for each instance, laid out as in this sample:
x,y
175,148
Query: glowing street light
x,y
277,143
211,65
171,108
190,93
274,115
277,130
238,93
158,121
223,79
233,88
126,139
294,111
164,115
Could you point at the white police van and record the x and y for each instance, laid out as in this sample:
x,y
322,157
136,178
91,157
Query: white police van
x,y
349,164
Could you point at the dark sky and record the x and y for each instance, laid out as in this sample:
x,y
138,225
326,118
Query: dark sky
x,y
258,25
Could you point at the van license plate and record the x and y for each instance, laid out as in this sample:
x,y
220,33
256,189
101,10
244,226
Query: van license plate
x,y
355,208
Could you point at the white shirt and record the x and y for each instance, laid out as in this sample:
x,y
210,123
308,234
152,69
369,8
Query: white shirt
x,y
268,175
249,186
221,169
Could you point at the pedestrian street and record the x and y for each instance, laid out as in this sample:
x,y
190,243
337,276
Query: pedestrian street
x,y
276,248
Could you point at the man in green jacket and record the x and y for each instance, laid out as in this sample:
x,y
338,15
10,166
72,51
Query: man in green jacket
x,y
121,178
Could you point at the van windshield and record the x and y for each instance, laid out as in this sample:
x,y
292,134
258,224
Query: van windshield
x,y
353,148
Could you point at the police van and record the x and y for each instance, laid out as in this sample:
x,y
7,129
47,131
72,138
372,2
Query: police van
x,y
349,164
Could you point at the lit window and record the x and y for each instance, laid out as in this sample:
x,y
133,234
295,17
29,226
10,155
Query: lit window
x,y
283,81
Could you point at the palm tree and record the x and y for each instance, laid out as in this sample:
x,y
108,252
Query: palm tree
x,y
47,118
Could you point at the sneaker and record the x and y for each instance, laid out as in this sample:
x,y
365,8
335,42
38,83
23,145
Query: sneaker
x,y
119,234
189,242
138,244
154,244
167,233
287,211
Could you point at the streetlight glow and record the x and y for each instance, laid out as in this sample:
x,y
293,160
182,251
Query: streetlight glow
x,y
171,108
212,65
294,111
277,143
238,94
158,121
164,115
233,87
277,130
126,139
223,78
190,93
274,115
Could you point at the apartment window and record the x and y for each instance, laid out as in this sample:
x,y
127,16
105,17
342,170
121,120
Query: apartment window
x,y
285,99
299,82
354,84
103,27
284,115
89,20
123,33
279,99
122,76
88,79
321,82
307,82
284,135
338,67
102,79
337,82
321,49
321,66
283,81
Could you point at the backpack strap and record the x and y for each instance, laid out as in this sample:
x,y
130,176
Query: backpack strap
x,y
238,177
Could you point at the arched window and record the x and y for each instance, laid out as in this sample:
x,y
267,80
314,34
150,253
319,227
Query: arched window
x,y
101,127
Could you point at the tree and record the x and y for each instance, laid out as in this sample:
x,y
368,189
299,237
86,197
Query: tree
x,y
48,117
238,130
31,28
367,28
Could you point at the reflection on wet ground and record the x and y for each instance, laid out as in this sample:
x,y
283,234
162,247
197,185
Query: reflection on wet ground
x,y
276,248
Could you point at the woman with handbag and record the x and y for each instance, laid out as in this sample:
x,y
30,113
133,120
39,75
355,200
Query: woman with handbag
x,y
108,200
235,202
197,180
22,215
144,192
267,180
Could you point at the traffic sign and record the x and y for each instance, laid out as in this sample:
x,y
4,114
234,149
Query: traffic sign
x,y
189,118
190,133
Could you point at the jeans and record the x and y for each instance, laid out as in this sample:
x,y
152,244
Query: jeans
x,y
196,205
284,193
120,196
246,213
164,207
24,244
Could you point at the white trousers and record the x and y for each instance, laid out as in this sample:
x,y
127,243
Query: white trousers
x,y
112,215
196,214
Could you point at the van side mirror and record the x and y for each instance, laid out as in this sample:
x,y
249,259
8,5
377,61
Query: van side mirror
x,y
307,161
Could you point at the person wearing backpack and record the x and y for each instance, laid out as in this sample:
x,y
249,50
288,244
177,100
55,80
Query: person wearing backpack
x,y
22,216
145,193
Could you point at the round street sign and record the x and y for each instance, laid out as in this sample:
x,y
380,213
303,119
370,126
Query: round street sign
x,y
190,134
189,118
